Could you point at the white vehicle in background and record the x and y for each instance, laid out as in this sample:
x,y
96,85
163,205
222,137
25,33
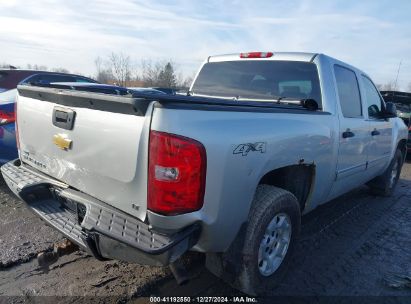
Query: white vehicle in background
x,y
228,170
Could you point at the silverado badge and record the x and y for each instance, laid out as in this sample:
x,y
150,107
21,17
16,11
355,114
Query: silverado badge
x,y
61,141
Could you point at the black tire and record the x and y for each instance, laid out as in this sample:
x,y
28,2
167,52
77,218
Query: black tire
x,y
384,185
268,202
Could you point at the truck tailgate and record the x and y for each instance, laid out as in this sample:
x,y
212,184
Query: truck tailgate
x,y
93,142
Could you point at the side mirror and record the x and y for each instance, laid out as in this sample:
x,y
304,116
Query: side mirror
x,y
390,110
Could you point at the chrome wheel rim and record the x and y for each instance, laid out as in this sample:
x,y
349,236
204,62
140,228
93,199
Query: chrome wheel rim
x,y
274,244
394,173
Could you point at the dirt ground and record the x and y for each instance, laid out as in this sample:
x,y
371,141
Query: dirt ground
x,y
357,245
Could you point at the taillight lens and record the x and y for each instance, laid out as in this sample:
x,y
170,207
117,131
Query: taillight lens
x,y
257,55
6,118
176,174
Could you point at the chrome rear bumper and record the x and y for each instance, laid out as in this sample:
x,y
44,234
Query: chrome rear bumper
x,y
96,227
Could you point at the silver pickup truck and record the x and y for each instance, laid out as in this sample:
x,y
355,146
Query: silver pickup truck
x,y
227,170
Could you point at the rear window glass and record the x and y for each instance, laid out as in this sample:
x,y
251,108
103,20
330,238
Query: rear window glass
x,y
86,80
3,77
8,96
46,79
262,80
50,78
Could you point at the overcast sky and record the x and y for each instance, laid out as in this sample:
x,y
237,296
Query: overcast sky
x,y
372,35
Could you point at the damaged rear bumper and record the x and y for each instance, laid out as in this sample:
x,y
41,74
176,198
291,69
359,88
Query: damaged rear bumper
x,y
96,227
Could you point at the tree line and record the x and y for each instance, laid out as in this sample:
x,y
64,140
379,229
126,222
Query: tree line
x,y
119,69
391,86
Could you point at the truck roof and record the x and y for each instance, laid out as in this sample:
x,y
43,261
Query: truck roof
x,y
293,56
285,56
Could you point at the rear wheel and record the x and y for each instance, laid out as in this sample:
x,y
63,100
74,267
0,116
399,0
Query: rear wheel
x,y
274,244
384,184
273,226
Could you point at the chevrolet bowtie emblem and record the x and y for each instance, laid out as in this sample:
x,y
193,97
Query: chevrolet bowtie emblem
x,y
61,141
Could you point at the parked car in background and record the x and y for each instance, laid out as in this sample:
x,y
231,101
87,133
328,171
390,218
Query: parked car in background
x,y
409,141
153,91
7,118
403,111
9,79
106,88
402,101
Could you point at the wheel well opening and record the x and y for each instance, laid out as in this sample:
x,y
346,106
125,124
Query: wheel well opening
x,y
297,179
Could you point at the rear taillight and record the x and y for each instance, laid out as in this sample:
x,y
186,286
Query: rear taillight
x,y
6,118
176,174
256,55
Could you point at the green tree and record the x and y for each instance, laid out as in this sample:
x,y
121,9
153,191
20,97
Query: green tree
x,y
167,77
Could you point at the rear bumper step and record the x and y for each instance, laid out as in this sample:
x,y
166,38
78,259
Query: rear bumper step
x,y
101,230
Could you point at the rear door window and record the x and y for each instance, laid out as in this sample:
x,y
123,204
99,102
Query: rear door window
x,y
348,92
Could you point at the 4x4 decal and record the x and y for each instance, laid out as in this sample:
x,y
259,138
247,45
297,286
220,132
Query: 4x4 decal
x,y
243,149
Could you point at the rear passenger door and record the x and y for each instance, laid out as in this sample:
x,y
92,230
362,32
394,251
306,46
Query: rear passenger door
x,y
353,131
379,149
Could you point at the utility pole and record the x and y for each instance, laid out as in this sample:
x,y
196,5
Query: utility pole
x,y
396,80
398,72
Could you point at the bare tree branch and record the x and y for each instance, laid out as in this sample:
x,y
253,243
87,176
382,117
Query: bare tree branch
x,y
103,68
121,68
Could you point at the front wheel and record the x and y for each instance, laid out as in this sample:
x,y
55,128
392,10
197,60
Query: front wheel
x,y
271,232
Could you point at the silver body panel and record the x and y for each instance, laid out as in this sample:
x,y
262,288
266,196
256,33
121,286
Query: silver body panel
x,y
108,159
